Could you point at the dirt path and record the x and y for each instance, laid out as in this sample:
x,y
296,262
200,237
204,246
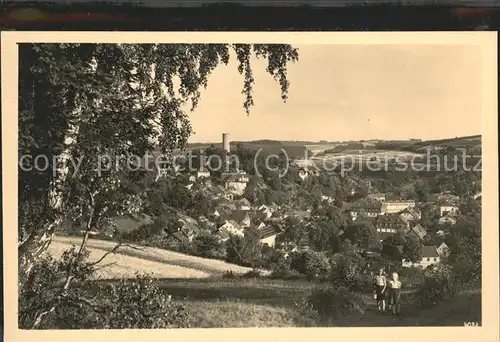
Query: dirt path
x,y
454,312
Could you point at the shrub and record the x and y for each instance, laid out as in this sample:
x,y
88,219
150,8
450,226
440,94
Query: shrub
x,y
139,304
44,302
207,245
311,263
467,275
41,293
346,269
413,276
307,315
437,286
335,302
270,257
244,251
283,270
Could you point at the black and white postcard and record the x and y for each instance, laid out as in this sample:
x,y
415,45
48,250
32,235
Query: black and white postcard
x,y
180,184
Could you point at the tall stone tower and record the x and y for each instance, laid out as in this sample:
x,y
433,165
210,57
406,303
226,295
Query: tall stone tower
x,y
226,143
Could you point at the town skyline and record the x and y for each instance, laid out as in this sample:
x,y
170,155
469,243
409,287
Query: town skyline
x,y
350,93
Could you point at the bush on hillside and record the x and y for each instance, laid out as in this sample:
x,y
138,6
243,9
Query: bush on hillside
x,y
362,284
311,263
207,245
270,257
139,304
437,286
44,302
334,303
413,277
245,250
346,270
282,270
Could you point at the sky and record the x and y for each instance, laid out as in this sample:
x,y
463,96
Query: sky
x,y
350,92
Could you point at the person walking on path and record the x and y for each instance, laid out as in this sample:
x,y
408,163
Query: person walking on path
x,y
380,284
395,293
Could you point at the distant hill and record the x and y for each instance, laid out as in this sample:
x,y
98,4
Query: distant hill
x,y
298,148
455,140
472,143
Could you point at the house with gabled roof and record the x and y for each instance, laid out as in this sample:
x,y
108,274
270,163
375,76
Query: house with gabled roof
x,y
243,204
449,218
411,214
443,250
391,223
447,207
268,234
264,212
443,197
187,230
230,227
235,182
419,231
430,256
243,217
396,206
366,210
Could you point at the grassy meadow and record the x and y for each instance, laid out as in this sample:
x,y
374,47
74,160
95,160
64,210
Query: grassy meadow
x,y
265,302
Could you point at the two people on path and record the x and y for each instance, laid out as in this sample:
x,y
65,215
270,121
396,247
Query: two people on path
x,y
387,288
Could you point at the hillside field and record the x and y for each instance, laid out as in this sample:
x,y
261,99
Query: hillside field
x,y
158,262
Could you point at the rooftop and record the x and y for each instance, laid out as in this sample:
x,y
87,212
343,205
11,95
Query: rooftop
x,y
429,252
388,201
384,235
240,215
243,202
367,206
419,230
269,231
378,194
233,223
390,219
447,204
